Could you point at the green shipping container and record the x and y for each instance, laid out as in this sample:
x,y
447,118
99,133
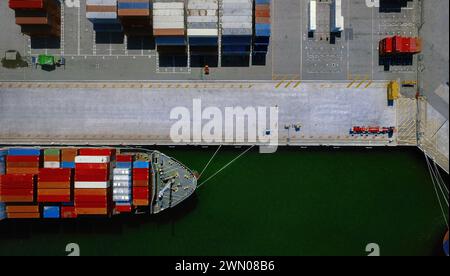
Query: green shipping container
x,y
51,152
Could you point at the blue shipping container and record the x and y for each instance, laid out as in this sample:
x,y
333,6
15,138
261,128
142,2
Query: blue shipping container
x,y
124,165
141,165
68,165
51,212
236,40
135,5
107,28
203,41
24,152
170,41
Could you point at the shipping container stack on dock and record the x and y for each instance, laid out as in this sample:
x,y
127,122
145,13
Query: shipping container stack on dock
x,y
38,18
92,181
237,28
103,15
141,183
169,28
136,17
3,153
122,183
203,30
261,39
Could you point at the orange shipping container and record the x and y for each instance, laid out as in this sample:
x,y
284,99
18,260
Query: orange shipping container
x,y
51,158
98,8
54,185
22,164
168,32
16,199
133,12
32,20
22,209
141,202
68,155
91,211
23,215
22,170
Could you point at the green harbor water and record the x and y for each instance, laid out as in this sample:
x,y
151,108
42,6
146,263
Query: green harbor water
x,y
294,202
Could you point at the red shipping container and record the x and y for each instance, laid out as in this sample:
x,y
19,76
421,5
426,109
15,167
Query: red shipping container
x,y
96,152
16,192
68,212
124,158
91,205
92,175
10,158
91,166
16,181
16,199
93,198
49,171
91,178
53,199
140,193
123,208
140,183
29,4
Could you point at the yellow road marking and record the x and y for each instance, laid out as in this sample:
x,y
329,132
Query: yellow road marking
x,y
368,84
279,84
353,82
363,81
297,84
288,84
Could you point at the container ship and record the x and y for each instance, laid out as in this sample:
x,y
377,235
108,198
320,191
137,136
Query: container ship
x,y
68,183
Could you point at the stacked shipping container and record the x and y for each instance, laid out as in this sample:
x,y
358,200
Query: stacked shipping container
x,y
169,27
237,27
38,17
92,181
2,172
103,14
23,211
52,158
23,161
203,26
262,27
122,183
141,183
54,185
17,188
136,17
68,158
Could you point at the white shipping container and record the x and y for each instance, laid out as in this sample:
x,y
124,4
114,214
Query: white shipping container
x,y
92,159
121,177
169,25
121,198
92,185
203,32
168,5
122,184
122,191
52,165
119,171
